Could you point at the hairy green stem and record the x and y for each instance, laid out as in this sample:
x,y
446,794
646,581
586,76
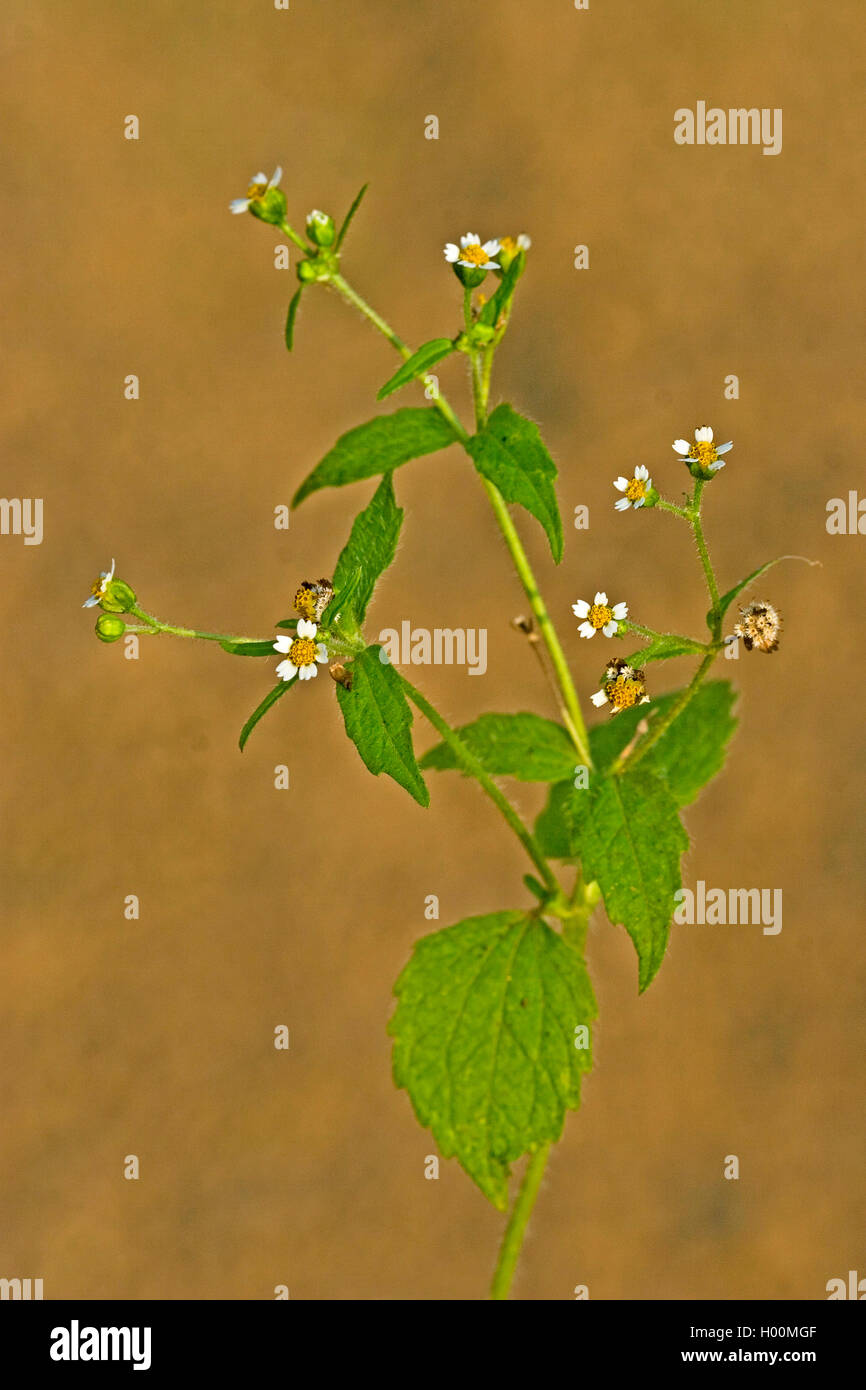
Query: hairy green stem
x,y
156,625
651,632
512,1241
470,764
683,512
571,711
295,237
704,553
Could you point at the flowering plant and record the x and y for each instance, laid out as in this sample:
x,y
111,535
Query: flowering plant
x,y
493,1027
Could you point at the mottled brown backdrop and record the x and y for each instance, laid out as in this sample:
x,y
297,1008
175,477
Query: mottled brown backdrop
x,y
261,907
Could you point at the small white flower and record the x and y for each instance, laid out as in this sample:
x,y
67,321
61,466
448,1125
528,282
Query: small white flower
x,y
524,242
635,489
599,615
259,186
472,253
99,588
302,652
703,451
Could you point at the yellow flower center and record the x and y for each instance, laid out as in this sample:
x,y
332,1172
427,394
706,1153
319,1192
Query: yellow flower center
x,y
305,602
99,586
636,490
303,652
624,692
257,190
474,254
704,453
508,245
598,615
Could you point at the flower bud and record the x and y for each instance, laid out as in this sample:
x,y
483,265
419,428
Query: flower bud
x,y
310,271
320,228
109,627
509,249
269,206
117,597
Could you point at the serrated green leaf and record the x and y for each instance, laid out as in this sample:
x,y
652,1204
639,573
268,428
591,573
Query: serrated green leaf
x,y
377,447
369,551
291,316
379,721
627,832
557,827
347,220
258,713
690,752
245,647
665,646
524,746
416,365
484,1040
509,452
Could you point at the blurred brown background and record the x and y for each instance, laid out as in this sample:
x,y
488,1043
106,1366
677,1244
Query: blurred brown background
x,y
261,907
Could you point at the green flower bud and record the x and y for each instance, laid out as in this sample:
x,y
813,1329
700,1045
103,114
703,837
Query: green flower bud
x,y
109,627
482,334
650,497
269,206
310,271
510,248
117,597
320,228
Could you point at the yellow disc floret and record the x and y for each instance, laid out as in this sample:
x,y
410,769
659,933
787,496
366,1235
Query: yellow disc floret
x,y
636,490
474,254
704,453
624,692
599,615
303,652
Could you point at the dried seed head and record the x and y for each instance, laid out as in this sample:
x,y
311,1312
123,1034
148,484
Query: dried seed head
x,y
312,599
759,626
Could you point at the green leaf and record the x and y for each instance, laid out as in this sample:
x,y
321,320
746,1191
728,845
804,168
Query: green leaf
x,y
628,834
727,599
484,1040
347,220
369,551
509,452
690,752
291,316
257,714
512,745
557,828
416,365
248,648
666,645
377,447
378,721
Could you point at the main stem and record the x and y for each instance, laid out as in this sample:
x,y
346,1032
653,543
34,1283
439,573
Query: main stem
x,y
470,764
571,710
512,1241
